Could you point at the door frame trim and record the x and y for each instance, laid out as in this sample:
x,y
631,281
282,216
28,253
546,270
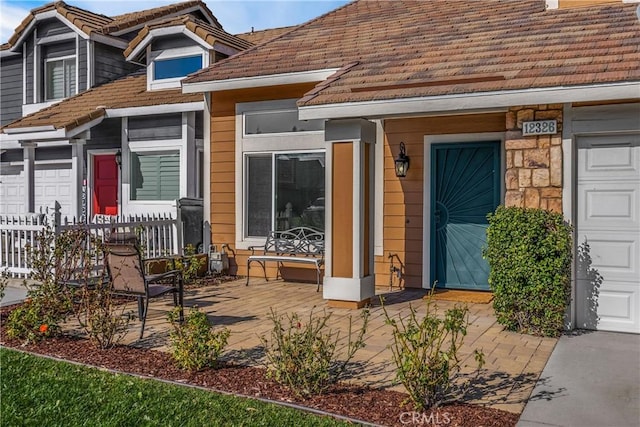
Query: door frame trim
x,y
426,200
90,181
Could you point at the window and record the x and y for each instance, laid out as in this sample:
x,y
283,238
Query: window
x,y
155,176
284,190
176,67
60,78
262,122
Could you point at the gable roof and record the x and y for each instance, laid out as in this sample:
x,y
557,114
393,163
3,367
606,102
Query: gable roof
x,y
128,20
207,33
127,92
391,50
88,22
85,21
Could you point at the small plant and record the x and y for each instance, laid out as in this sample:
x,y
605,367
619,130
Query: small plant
x,y
529,252
4,281
303,354
195,344
34,320
425,352
101,317
189,264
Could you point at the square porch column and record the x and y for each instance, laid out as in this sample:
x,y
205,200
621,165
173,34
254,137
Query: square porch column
x,y
349,273
29,157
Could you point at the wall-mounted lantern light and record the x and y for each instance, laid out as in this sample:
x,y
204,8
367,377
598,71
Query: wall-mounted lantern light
x,y
119,158
402,162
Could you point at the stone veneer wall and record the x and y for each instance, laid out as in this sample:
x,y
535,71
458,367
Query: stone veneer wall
x,y
534,163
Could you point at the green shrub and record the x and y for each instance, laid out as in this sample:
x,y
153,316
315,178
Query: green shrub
x,y
425,352
304,354
529,252
55,259
195,344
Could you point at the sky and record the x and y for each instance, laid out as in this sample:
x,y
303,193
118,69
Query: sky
x,y
236,16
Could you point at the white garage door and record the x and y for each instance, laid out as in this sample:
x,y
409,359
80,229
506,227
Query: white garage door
x,y
608,233
12,194
53,183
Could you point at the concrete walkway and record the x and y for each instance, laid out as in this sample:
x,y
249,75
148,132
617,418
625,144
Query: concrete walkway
x,y
14,293
591,379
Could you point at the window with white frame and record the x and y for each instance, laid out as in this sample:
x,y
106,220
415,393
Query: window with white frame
x,y
282,159
169,66
60,79
284,190
155,176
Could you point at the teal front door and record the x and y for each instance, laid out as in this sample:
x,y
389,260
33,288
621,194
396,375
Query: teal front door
x,y
465,187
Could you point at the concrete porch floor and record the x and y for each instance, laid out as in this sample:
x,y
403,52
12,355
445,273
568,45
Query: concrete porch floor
x,y
513,361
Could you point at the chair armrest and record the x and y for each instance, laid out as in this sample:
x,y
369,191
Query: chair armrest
x,y
152,278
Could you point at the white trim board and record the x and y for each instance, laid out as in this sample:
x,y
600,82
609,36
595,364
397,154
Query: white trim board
x,y
259,81
470,101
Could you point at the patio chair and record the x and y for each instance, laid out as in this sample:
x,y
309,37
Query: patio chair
x,y
128,277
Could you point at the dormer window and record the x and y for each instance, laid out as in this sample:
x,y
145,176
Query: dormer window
x,y
169,66
60,79
176,67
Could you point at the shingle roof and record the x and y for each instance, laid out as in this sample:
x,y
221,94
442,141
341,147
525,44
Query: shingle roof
x,y
127,20
261,36
86,21
130,91
206,32
401,49
89,22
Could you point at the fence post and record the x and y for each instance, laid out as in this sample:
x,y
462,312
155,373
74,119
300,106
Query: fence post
x,y
178,232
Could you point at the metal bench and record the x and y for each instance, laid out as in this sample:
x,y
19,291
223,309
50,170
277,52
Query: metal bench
x,y
298,245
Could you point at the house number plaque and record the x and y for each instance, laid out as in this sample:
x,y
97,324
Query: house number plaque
x,y
540,127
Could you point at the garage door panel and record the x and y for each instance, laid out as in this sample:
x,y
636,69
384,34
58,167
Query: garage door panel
x,y
606,157
610,205
618,309
614,255
12,191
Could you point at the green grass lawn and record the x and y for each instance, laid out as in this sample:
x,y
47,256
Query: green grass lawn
x,y
40,392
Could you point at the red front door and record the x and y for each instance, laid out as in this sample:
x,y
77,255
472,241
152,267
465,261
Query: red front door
x,y
105,185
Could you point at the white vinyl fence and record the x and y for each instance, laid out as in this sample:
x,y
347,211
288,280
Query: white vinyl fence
x,y
157,235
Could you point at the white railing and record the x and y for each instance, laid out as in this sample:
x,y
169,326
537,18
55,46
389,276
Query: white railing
x,y
157,235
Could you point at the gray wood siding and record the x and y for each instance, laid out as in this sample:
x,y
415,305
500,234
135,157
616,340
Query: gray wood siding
x,y
172,42
57,50
164,126
110,64
28,46
53,153
10,89
52,27
82,65
107,134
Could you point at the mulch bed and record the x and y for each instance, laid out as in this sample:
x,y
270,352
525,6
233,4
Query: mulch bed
x,y
377,406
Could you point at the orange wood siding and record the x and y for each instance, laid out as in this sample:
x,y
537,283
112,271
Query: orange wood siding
x,y
403,197
342,209
223,166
